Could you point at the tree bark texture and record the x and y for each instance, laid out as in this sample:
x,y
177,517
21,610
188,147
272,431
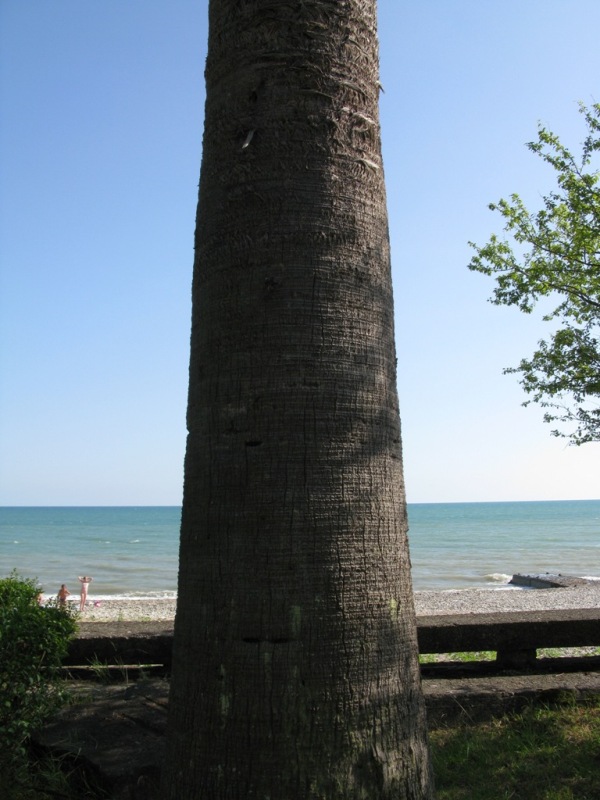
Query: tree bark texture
x,y
295,661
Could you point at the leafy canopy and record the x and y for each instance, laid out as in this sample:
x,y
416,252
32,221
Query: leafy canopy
x,y
555,254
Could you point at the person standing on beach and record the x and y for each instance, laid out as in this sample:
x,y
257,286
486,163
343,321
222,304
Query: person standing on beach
x,y
63,593
85,582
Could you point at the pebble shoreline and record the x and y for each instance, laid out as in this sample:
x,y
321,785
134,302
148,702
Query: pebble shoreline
x,y
455,601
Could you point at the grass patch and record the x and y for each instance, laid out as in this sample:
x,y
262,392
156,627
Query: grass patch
x,y
465,658
47,778
560,652
490,655
542,753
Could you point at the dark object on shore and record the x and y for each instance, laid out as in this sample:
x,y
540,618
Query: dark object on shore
x,y
548,581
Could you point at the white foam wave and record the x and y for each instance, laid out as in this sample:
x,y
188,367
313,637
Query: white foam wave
x,y
136,596
498,577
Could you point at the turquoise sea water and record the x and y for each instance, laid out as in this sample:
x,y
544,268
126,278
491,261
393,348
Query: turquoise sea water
x,y
134,550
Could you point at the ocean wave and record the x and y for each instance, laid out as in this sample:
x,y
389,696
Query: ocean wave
x,y
157,595
498,577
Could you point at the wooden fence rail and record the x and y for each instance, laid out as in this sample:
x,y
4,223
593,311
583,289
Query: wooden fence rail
x,y
514,636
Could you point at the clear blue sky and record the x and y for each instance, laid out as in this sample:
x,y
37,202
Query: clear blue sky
x,y
100,146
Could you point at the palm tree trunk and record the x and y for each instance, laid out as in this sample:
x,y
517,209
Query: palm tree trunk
x,y
295,664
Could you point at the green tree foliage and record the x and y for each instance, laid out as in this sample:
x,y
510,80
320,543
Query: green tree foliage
x,y
555,254
33,641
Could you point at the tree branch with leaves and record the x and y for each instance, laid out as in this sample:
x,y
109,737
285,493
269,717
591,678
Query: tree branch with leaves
x,y
555,254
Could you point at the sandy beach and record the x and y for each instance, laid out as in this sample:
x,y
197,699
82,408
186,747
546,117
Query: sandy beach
x,y
459,601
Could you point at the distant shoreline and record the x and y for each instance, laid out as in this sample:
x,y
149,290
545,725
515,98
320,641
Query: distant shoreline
x,y
454,601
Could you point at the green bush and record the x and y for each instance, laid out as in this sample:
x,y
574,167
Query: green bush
x,y
33,641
